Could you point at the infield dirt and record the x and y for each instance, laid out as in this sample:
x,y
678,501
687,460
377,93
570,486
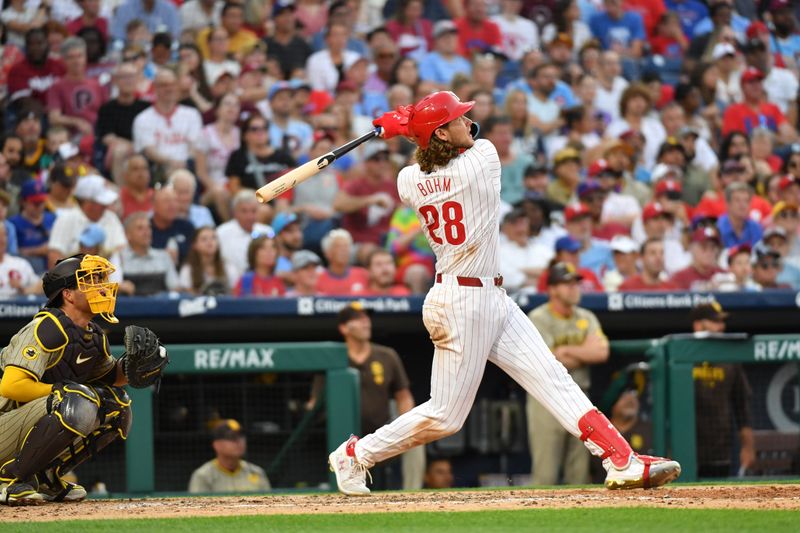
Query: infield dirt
x,y
762,497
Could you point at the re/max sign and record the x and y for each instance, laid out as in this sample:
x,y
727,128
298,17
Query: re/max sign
x,y
776,350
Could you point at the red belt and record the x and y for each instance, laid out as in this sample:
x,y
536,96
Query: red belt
x,y
471,282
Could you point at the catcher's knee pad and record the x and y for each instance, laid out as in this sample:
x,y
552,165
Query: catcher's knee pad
x,y
115,409
76,407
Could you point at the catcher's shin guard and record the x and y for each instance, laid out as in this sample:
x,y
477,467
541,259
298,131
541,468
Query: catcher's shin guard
x,y
115,420
72,412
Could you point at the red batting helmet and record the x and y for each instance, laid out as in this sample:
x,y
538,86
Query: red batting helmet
x,y
434,111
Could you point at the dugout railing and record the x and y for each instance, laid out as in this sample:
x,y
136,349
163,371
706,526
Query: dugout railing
x,y
341,398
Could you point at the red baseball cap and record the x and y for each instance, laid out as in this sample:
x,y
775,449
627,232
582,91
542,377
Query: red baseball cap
x,y
755,29
787,181
668,185
574,211
598,167
707,233
752,74
653,210
738,249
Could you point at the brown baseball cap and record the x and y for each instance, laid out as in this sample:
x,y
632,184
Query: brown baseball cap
x,y
562,273
227,429
711,311
352,311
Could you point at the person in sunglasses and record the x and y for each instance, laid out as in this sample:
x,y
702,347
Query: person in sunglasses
x,y
767,264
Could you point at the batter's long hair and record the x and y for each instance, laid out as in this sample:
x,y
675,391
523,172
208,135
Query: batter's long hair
x,y
437,154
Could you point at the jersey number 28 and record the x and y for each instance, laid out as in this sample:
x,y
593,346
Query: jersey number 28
x,y
453,216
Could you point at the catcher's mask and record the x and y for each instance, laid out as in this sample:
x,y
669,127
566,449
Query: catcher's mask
x,y
89,274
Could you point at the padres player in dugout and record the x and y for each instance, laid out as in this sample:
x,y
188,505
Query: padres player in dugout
x,y
61,399
455,190
576,339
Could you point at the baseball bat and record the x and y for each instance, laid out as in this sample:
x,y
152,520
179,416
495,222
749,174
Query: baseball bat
x,y
300,174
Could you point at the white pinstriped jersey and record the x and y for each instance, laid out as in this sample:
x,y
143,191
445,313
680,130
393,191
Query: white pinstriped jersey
x,y
459,205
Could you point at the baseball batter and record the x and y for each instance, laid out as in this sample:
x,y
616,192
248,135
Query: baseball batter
x,y
61,395
455,190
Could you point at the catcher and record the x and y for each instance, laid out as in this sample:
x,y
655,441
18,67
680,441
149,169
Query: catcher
x,y
61,395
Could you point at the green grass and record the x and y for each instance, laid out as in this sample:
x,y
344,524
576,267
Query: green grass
x,y
634,520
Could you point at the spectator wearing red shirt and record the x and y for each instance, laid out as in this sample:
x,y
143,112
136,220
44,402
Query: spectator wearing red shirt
x,y
476,33
382,273
713,203
75,100
568,251
789,189
667,38
754,112
136,193
260,280
705,248
653,277
368,201
651,11
340,278
90,19
33,76
412,33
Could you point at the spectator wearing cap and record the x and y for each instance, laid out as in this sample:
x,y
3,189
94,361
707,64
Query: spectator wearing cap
x,y
522,260
323,67
60,186
17,277
285,44
626,255
754,111
367,201
705,248
340,278
575,337
578,131
135,194
634,107
288,239
305,273
767,264
91,240
168,133
780,84
217,61
535,180
729,89
619,207
559,50
33,76
518,33
735,226
95,196
170,232
776,238
239,37
594,254
260,278
155,14
440,65
196,15
785,215
789,189
33,225
184,184
652,276
228,471
568,251
740,269
256,162
146,270
658,223
785,39
383,275
621,155
618,29
701,160
295,136
566,174
204,271
114,126
235,235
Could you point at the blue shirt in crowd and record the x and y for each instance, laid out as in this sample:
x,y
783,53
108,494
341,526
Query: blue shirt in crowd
x,y
621,31
598,258
437,69
690,13
562,93
751,233
163,17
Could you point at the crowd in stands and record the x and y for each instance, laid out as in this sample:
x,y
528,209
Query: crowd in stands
x,y
653,144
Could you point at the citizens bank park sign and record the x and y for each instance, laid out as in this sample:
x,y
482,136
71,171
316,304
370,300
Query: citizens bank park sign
x,y
622,302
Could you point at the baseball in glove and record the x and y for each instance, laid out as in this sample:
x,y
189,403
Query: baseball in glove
x,y
144,358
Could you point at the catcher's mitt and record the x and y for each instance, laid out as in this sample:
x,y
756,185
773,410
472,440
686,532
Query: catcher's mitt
x,y
144,358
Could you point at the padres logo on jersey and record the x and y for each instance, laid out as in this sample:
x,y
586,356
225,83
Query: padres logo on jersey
x,y
377,372
30,352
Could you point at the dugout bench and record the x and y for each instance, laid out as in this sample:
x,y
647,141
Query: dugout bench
x,y
342,392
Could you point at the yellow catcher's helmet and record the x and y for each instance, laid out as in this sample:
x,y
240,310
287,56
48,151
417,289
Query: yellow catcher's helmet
x,y
89,274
